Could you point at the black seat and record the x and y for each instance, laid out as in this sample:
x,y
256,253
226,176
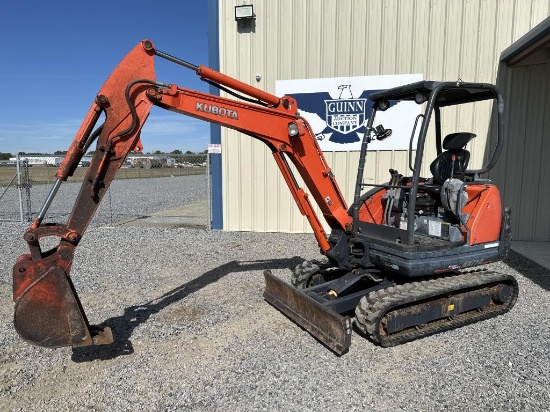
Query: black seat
x,y
444,167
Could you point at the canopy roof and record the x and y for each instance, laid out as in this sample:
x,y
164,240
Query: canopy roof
x,y
450,93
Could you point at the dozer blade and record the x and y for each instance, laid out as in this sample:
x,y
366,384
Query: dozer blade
x,y
48,312
329,327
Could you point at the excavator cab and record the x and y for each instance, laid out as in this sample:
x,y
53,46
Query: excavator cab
x,y
455,211
398,272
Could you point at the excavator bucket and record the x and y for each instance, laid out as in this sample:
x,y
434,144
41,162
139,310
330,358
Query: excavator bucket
x,y
48,312
329,327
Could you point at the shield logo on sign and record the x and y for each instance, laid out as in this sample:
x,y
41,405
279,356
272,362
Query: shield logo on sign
x,y
345,115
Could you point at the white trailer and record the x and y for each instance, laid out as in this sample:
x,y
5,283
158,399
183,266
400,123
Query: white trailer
x,y
40,160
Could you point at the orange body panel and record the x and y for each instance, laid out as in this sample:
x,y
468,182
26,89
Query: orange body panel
x,y
372,210
485,209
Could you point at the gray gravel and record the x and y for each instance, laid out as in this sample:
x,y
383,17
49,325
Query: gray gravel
x,y
193,333
126,199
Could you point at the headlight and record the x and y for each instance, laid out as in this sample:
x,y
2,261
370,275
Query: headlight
x,y
293,129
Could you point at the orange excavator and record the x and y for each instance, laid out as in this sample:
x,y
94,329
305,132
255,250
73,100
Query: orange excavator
x,y
396,261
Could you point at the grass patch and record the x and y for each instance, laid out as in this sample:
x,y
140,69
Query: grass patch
x,y
45,175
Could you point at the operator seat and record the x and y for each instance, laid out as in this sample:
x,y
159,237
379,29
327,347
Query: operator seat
x,y
442,167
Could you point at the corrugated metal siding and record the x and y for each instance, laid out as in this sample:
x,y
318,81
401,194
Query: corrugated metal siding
x,y
524,170
292,39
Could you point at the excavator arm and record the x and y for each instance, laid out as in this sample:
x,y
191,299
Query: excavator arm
x,y
48,311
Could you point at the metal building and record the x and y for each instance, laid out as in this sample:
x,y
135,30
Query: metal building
x,y
524,170
441,39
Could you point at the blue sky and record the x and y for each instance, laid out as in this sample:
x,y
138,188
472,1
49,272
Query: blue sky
x,y
55,56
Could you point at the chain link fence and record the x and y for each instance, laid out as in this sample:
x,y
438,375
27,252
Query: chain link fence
x,y
161,190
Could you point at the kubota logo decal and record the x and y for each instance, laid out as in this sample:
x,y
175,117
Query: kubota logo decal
x,y
220,111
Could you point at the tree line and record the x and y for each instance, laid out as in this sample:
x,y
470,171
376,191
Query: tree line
x,y
7,156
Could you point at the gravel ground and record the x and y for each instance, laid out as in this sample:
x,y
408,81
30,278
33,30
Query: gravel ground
x,y
193,333
126,199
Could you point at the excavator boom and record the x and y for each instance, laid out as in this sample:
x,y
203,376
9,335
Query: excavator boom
x,y
48,311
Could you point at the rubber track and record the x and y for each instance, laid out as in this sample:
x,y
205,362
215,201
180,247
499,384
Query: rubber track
x,y
374,306
303,272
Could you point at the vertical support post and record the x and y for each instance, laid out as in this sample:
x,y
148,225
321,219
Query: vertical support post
x,y
215,129
361,168
27,185
19,188
209,191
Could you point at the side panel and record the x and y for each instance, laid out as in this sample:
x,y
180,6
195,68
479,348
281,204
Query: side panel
x,y
371,210
485,211
524,171
431,263
443,39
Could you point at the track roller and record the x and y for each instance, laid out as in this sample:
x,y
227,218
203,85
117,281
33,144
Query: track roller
x,y
411,311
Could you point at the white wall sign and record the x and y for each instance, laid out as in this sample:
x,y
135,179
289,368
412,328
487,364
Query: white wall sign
x,y
214,148
338,109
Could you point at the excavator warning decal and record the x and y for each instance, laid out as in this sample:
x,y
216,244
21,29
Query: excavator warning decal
x,y
338,109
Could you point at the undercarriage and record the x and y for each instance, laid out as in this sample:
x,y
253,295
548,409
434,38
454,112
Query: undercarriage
x,y
384,309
